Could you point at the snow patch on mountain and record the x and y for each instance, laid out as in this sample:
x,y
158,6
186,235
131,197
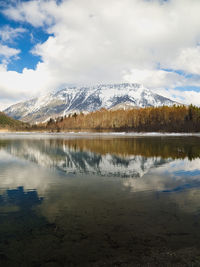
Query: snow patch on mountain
x,y
86,99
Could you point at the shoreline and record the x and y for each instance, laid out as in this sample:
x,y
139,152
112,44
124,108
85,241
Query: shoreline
x,y
72,134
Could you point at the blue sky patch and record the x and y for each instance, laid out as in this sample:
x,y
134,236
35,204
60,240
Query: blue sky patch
x,y
26,59
180,72
188,88
25,42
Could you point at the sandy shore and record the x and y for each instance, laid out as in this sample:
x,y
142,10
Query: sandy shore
x,y
4,130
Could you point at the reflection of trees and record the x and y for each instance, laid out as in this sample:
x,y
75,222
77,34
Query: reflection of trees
x,y
21,227
4,143
19,198
75,158
123,157
165,147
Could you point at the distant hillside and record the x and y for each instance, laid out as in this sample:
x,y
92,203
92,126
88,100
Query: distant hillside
x,y
11,124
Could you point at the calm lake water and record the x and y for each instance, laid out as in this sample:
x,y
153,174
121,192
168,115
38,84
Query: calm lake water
x,y
81,200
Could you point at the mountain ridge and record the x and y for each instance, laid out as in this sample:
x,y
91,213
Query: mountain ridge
x,y
86,99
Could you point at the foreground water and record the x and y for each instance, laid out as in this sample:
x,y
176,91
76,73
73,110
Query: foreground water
x,y
99,201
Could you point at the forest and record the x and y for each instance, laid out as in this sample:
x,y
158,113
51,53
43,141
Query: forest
x,y
150,119
183,119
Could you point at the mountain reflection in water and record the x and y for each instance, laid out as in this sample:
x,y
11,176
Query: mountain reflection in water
x,y
100,201
105,157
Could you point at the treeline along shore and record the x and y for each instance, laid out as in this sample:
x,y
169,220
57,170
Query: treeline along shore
x,y
183,119
149,119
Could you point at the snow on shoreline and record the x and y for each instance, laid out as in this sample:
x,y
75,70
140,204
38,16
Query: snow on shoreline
x,y
4,135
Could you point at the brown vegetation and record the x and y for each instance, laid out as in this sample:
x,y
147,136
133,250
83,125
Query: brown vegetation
x,y
10,124
159,119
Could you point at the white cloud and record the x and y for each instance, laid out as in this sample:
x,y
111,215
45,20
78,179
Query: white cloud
x,y
35,12
164,83
8,52
29,82
181,96
155,78
188,60
111,41
8,34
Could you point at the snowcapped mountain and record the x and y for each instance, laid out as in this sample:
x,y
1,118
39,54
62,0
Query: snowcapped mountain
x,y
76,99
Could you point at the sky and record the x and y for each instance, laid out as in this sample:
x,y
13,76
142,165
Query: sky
x,y
46,45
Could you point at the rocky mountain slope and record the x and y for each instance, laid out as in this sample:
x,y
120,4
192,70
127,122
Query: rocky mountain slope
x,y
86,99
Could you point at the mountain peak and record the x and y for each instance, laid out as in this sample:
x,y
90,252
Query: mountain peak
x,y
86,99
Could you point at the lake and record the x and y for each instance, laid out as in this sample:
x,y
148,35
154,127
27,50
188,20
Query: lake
x,y
99,200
